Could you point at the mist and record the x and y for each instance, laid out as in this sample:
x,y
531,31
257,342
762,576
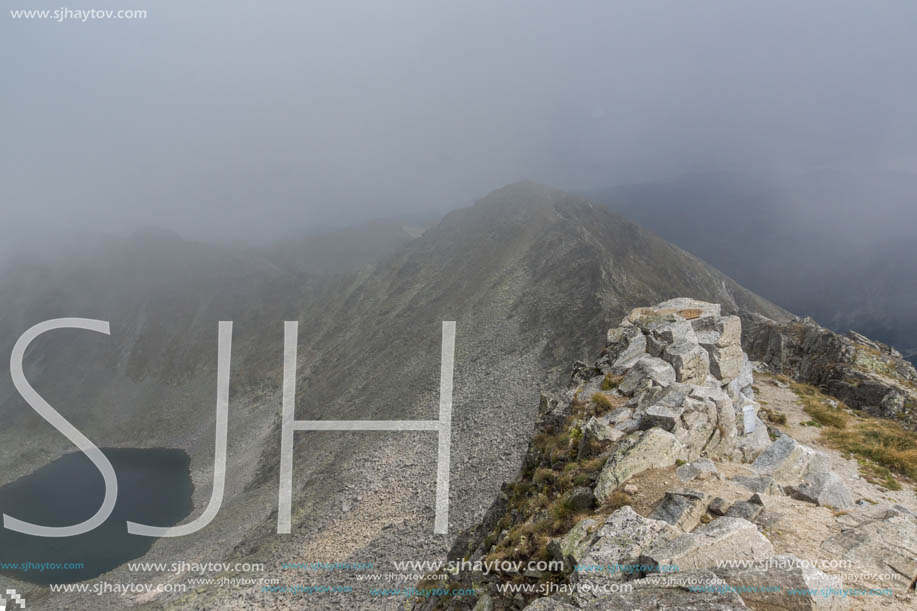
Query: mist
x,y
245,121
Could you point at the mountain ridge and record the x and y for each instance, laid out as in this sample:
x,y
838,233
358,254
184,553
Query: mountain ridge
x,y
528,274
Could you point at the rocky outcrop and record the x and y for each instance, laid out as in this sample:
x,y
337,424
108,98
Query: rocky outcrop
x,y
862,373
686,383
652,409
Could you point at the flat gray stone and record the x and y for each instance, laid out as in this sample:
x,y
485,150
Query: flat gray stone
x,y
878,540
744,509
700,469
823,488
787,572
723,539
762,484
660,416
615,549
682,509
672,592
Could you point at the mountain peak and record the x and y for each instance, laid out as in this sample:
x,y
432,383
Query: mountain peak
x,y
526,194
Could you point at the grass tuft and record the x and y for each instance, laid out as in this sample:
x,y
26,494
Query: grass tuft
x,y
602,403
611,381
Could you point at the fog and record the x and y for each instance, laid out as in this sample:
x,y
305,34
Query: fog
x,y
232,120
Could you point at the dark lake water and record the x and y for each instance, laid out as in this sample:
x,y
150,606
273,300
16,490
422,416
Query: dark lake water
x,y
154,487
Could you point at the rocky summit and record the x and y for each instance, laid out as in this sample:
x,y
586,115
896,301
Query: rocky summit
x,y
676,473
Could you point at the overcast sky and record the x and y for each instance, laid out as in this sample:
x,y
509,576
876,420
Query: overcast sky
x,y
249,119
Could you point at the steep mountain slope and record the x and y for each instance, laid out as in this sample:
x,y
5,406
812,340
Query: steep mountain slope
x,y
528,274
344,249
832,245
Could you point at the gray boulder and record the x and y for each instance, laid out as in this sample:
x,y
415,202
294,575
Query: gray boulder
x,y
690,361
598,429
729,329
701,311
700,417
615,550
620,415
684,591
718,506
740,388
786,460
572,547
647,372
635,453
666,418
823,488
726,363
745,509
665,333
683,509
625,346
700,428
631,425
762,484
749,447
786,572
722,539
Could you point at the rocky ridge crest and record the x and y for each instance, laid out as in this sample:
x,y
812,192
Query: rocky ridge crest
x,y
672,391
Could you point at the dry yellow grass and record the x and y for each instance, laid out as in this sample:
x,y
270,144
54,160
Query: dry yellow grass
x,y
817,405
882,447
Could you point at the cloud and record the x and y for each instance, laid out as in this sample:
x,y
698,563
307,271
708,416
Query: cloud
x,y
244,120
